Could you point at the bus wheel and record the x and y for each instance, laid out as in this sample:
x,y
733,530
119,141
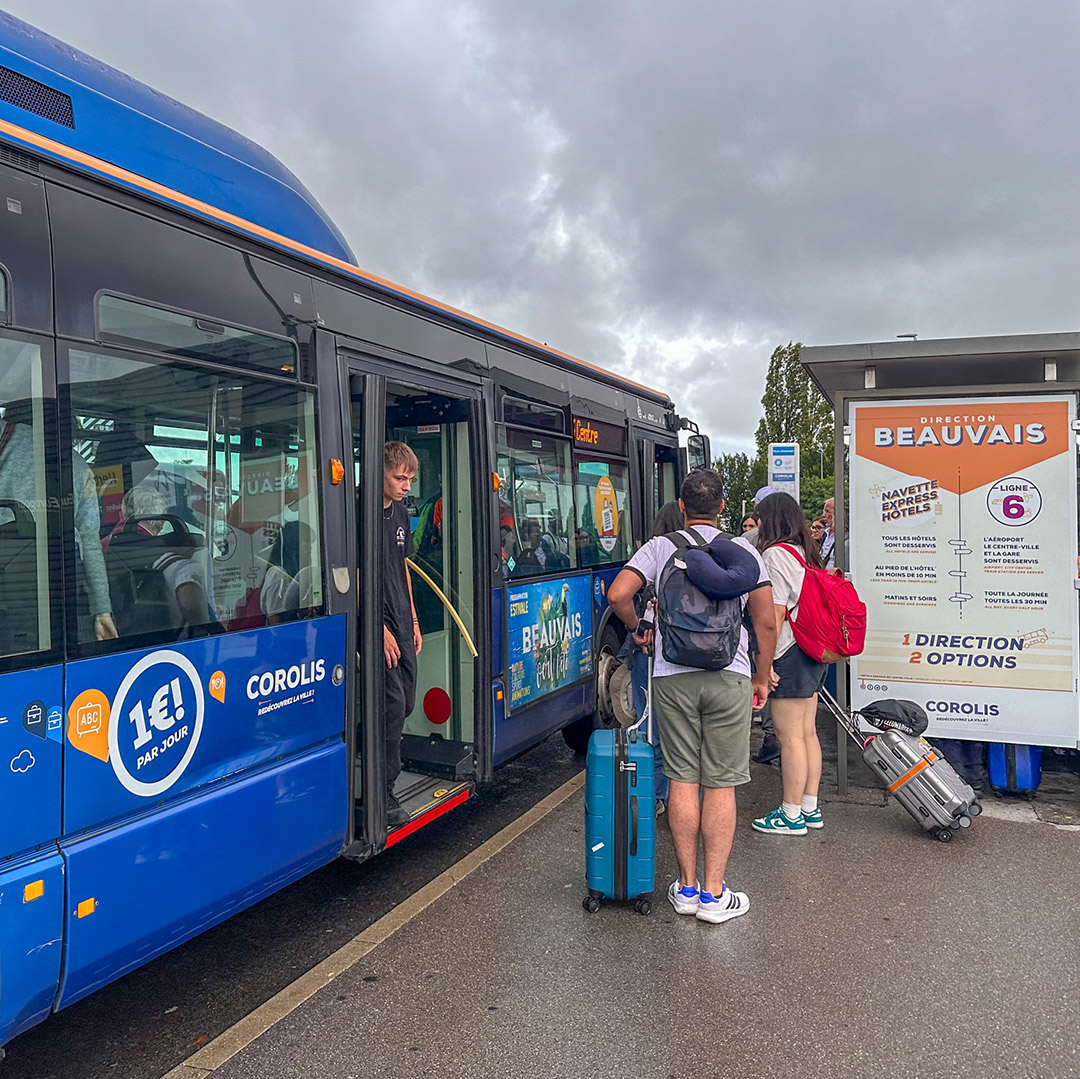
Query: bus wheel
x,y
576,735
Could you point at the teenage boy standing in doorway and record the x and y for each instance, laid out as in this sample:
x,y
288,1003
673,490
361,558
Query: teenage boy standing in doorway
x,y
401,628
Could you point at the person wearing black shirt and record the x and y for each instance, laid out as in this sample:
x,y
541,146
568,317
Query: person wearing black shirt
x,y
401,628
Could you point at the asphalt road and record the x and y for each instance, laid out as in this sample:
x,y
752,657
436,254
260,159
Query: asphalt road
x,y
157,1016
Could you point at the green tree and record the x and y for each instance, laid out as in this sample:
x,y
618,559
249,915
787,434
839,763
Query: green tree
x,y
812,493
795,410
736,470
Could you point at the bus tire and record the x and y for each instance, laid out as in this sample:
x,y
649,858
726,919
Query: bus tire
x,y
576,734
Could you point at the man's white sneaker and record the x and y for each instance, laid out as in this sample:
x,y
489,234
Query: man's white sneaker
x,y
723,907
684,900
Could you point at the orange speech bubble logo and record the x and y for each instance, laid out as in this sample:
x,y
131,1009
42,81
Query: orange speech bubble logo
x,y
88,723
216,685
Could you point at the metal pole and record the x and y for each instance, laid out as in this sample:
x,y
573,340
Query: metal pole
x,y
839,547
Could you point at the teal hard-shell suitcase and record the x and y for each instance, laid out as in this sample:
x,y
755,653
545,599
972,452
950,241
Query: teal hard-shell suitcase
x,y
620,819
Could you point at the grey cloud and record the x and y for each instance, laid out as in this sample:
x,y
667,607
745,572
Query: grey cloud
x,y
627,182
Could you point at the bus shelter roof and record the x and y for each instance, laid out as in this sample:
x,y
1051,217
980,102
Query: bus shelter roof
x,y
951,363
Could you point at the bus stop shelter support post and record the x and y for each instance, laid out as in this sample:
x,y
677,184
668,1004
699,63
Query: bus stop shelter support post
x,y
840,548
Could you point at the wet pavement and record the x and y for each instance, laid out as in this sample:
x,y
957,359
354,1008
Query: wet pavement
x,y
870,950
142,1025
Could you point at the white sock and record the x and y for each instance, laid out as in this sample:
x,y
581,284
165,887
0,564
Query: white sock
x,y
791,811
809,804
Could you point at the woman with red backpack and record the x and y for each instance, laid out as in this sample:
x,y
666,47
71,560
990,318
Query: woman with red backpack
x,y
787,549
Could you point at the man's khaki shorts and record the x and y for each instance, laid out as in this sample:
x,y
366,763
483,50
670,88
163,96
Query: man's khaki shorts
x,y
704,721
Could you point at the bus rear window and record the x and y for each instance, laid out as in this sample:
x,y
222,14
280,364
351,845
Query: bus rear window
x,y
173,333
25,503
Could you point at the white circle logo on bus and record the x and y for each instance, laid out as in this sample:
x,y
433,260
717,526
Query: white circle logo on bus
x,y
157,718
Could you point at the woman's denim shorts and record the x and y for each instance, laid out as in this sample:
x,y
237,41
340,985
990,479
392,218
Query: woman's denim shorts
x,y
800,676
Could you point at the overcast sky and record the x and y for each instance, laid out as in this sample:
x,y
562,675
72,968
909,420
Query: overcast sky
x,y
670,190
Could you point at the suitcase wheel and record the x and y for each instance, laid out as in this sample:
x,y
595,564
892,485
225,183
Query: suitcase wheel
x,y
975,809
943,835
591,904
643,906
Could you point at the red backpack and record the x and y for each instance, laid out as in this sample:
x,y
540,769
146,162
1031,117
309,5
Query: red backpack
x,y
832,618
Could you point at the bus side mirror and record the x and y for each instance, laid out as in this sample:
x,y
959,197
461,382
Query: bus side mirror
x,y
697,452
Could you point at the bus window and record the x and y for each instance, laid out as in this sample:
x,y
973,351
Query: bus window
x,y
24,502
665,487
602,510
205,516
536,505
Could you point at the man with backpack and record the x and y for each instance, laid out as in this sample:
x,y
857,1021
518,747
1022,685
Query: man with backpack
x,y
702,682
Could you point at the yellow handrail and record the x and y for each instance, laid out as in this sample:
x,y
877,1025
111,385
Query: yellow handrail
x,y
449,606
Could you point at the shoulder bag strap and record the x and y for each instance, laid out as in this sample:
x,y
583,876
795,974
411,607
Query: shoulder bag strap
x,y
795,554
802,561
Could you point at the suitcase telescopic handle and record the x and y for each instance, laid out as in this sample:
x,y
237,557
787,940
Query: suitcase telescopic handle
x,y
845,719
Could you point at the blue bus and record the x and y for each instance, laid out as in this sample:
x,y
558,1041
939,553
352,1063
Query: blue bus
x,y
196,383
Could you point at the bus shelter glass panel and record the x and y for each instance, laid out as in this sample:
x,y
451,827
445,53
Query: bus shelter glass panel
x,y
195,500
602,508
536,503
25,504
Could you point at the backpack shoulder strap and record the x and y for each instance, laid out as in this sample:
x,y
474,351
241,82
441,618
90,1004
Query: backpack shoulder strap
x,y
679,540
795,554
683,543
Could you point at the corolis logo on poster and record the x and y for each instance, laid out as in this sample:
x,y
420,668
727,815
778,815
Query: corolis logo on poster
x,y
959,431
962,711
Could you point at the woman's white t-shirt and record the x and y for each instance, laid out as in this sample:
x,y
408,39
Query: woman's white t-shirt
x,y
786,575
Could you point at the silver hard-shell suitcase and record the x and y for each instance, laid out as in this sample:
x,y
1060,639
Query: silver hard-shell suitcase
x,y
916,775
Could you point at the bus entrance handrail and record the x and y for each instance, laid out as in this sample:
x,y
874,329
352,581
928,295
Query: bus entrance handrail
x,y
449,606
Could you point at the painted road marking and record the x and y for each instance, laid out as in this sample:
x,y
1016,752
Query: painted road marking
x,y
243,1032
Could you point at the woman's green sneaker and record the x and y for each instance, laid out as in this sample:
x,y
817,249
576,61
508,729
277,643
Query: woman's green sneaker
x,y
779,823
812,817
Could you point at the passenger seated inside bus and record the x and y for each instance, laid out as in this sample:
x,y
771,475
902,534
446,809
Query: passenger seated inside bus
x,y
155,583
538,554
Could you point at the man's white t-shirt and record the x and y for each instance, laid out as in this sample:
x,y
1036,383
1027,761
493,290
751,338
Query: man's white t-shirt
x,y
649,562
177,571
786,575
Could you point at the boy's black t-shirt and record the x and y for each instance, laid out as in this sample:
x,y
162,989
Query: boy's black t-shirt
x,y
397,610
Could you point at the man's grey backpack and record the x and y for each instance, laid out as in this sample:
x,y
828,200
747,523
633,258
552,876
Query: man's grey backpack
x,y
700,628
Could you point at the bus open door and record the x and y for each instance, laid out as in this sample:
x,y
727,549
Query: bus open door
x,y
446,736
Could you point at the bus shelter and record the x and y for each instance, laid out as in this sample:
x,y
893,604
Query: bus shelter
x,y
959,528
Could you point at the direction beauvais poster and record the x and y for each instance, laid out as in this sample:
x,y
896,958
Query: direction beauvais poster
x,y
964,549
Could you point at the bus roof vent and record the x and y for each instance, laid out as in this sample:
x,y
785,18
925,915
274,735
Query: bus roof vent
x,y
26,93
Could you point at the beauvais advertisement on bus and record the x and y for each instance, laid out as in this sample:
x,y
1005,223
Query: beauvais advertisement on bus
x,y
549,631
964,547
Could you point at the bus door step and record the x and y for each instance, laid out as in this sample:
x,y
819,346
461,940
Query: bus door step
x,y
435,756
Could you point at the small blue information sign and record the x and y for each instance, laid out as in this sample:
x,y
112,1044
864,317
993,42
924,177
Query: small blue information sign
x,y
549,625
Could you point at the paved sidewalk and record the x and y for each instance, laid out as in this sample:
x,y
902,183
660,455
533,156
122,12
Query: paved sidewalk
x,y
870,950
